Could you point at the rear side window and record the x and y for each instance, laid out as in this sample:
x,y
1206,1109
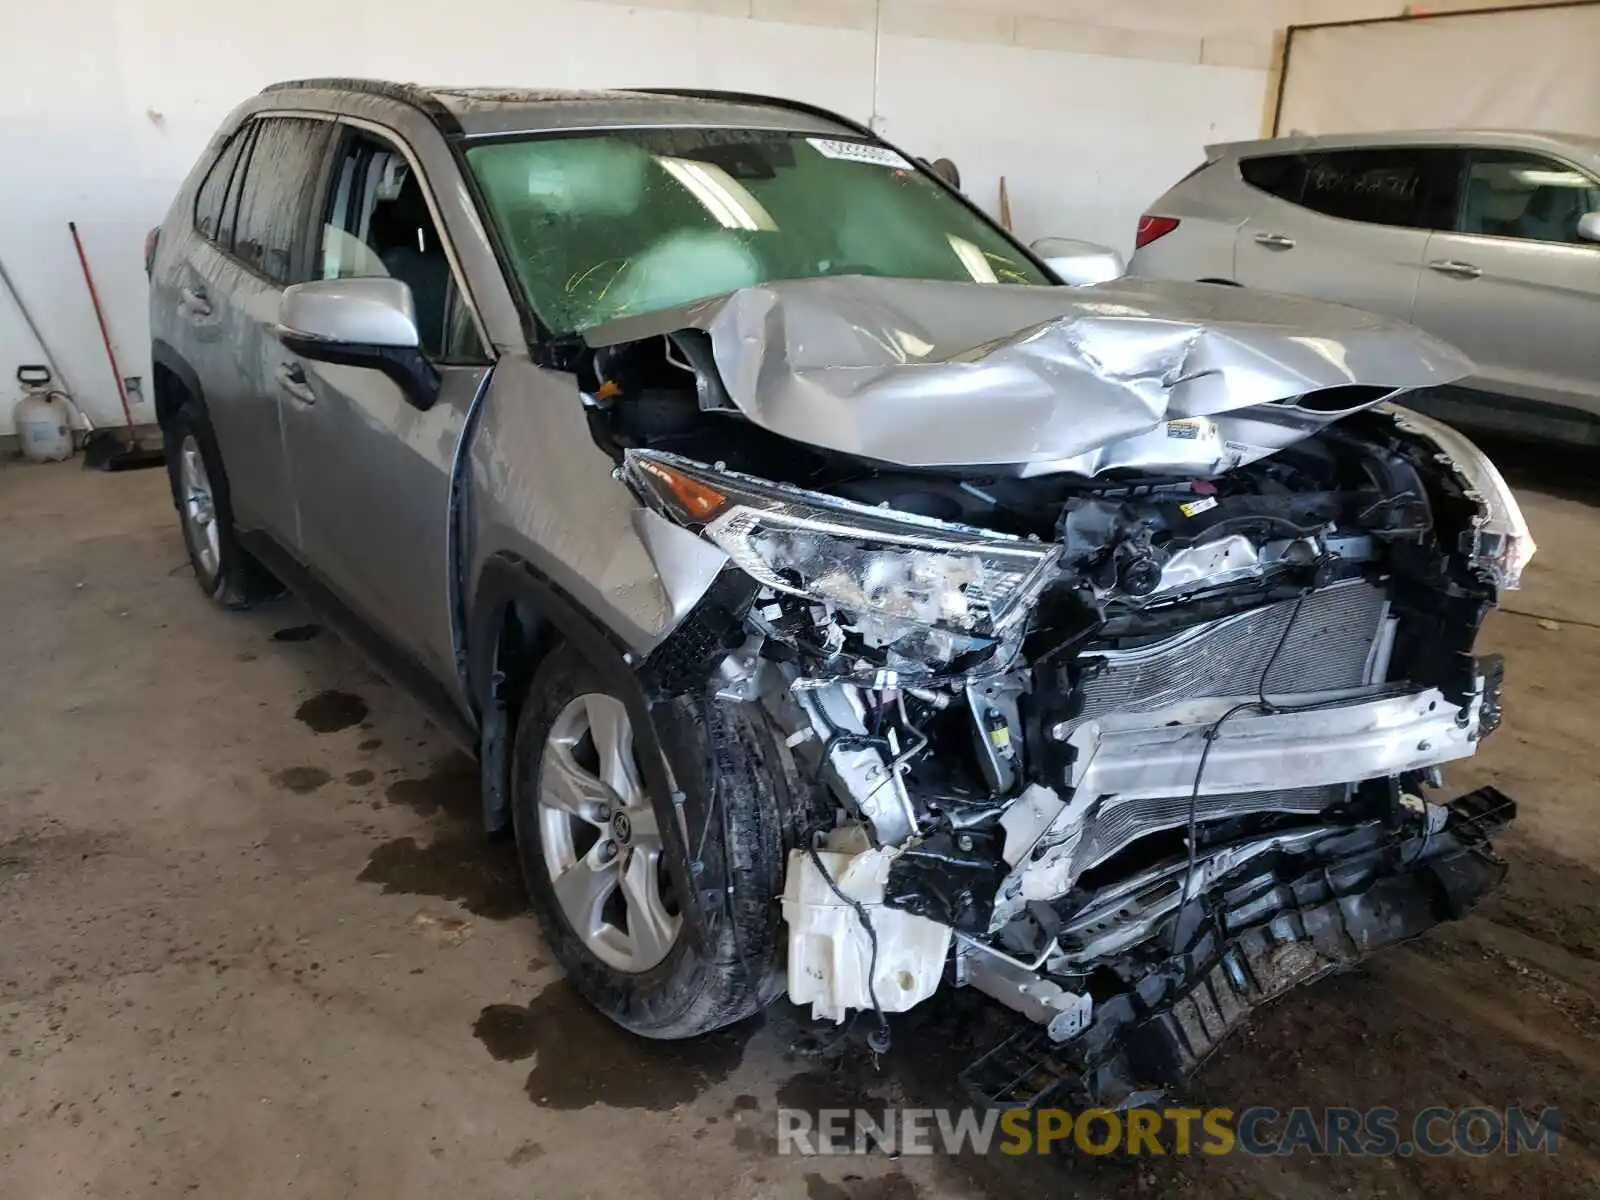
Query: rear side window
x,y
255,203
280,184
1280,175
1404,187
214,190
229,221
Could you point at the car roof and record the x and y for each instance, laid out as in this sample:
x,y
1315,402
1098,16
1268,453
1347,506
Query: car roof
x,y
1587,144
489,111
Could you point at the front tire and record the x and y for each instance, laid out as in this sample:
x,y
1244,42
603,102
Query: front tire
x,y
657,963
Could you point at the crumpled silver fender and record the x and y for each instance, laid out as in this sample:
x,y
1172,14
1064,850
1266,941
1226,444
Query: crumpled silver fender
x,y
544,494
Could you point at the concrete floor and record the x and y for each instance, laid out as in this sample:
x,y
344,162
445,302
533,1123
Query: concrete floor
x,y
241,957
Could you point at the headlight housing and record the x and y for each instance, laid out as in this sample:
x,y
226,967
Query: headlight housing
x,y
892,571
1498,543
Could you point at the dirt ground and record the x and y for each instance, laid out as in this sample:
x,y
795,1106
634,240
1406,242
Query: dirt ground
x,y
251,943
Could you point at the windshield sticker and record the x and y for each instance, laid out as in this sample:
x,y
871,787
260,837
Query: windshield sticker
x,y
864,152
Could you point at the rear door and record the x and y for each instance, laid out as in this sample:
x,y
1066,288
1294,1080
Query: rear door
x,y
213,336
1514,286
1346,225
371,470
250,213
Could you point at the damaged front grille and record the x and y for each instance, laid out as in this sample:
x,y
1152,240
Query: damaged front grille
x,y
1336,642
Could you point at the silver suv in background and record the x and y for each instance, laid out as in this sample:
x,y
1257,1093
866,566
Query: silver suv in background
x,y
834,600
1489,240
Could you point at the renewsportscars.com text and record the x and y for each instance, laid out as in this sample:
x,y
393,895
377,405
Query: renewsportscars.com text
x,y
1257,1131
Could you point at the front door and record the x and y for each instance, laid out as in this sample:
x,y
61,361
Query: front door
x,y
371,470
1514,286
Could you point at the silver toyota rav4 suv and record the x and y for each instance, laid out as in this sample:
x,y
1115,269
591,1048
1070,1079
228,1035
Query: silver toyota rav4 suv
x,y
1488,239
831,599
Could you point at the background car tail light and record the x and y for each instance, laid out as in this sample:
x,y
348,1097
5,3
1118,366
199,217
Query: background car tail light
x,y
1151,228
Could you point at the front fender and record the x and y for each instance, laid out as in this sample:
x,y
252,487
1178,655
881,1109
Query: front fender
x,y
545,494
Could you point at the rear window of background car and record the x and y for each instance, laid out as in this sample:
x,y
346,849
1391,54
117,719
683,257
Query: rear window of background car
x,y
1280,175
1405,187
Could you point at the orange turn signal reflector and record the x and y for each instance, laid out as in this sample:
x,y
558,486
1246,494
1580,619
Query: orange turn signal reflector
x,y
699,500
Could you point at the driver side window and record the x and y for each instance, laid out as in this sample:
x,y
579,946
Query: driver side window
x,y
1526,196
378,224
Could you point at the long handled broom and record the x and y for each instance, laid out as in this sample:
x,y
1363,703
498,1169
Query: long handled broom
x,y
105,448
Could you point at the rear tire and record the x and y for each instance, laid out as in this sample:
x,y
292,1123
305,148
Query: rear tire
x,y
223,569
733,968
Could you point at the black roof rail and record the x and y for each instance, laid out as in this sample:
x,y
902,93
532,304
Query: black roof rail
x,y
410,94
800,106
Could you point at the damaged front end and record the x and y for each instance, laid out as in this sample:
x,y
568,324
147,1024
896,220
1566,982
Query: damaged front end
x,y
1131,718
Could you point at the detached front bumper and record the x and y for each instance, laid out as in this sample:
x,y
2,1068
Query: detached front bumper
x,y
1304,913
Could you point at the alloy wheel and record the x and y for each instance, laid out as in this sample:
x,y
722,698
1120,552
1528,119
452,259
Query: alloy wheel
x,y
601,841
199,507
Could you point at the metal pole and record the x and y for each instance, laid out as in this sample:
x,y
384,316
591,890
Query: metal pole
x,y
27,319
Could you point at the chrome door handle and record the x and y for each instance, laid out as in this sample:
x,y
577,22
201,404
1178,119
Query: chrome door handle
x,y
195,302
1274,241
1450,266
292,379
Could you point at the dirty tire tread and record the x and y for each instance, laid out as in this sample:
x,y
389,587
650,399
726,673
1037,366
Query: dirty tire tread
x,y
240,581
741,969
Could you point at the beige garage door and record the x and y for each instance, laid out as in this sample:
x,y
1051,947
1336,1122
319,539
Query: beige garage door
x,y
1531,68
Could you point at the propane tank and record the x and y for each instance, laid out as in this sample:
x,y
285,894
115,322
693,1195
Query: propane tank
x,y
43,419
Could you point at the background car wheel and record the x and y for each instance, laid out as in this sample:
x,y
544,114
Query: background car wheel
x,y
222,568
590,840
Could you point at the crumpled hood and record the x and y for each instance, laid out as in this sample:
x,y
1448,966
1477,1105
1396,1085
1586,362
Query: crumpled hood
x,y
1169,377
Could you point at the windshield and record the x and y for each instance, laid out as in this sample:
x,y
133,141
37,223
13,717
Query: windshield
x,y
607,225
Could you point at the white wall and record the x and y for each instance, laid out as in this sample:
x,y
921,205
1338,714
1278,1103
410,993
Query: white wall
x,y
107,102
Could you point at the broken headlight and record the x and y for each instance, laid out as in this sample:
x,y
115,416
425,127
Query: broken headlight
x,y
1499,542
892,571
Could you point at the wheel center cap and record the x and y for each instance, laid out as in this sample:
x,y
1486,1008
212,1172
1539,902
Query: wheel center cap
x,y
621,827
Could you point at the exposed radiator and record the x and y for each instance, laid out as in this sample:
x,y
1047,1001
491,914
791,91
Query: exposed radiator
x,y
1330,647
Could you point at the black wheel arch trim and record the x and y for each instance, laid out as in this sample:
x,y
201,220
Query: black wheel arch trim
x,y
509,581
165,356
